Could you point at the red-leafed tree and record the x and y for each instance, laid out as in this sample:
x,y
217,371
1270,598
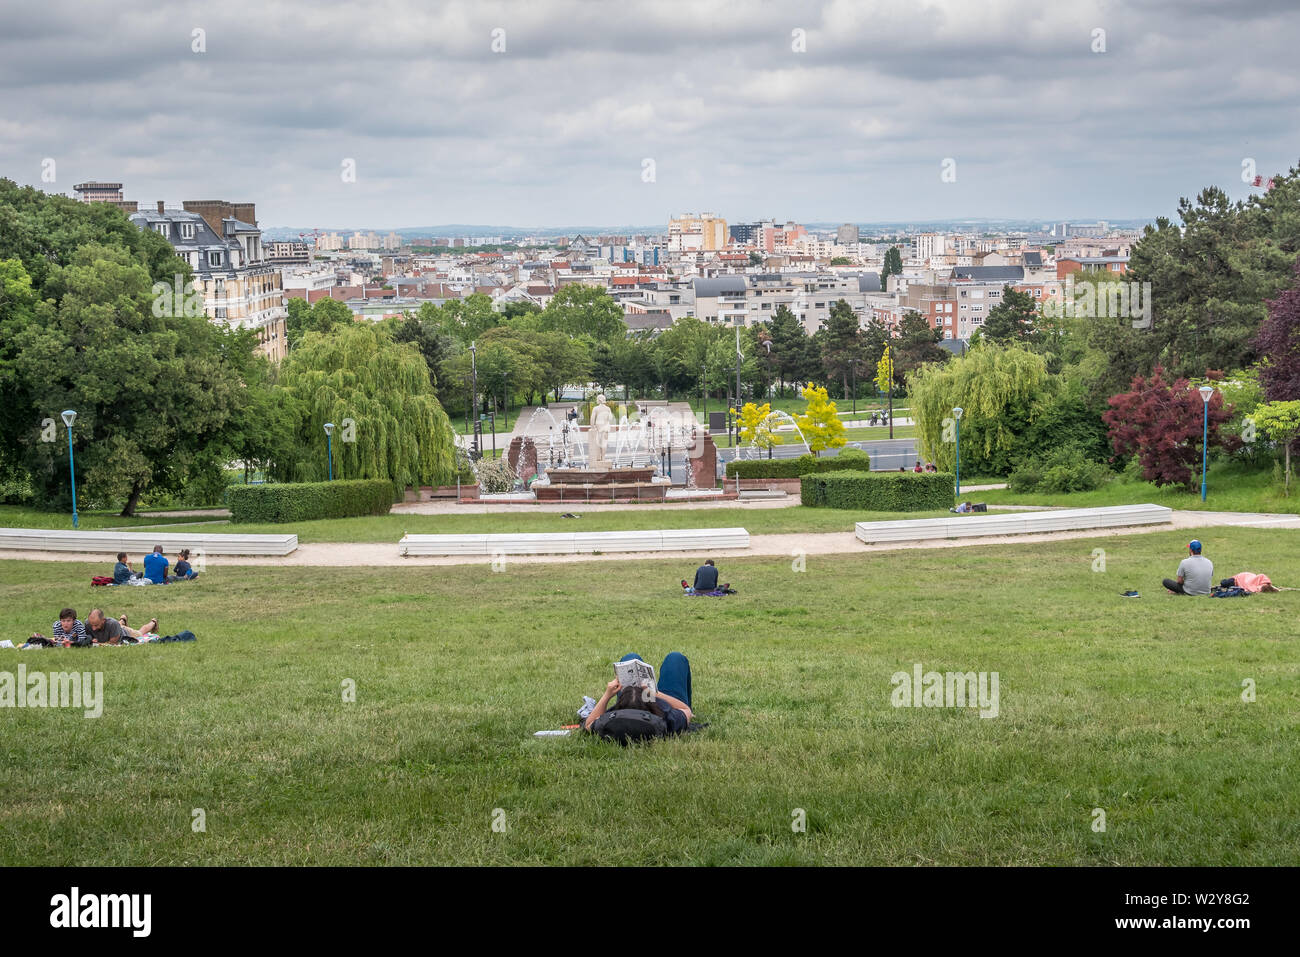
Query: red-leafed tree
x,y
1161,424
1278,342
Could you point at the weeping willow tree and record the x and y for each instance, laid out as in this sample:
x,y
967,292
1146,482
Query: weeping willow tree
x,y
996,388
388,424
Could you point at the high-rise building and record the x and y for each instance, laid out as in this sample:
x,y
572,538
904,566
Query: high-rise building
x,y
104,193
691,233
846,235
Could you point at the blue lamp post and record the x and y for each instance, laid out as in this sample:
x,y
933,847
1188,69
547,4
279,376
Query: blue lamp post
x,y
329,443
1206,391
956,413
69,416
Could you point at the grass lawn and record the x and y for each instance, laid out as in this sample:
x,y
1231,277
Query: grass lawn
x,y
1230,488
14,516
596,518
1130,705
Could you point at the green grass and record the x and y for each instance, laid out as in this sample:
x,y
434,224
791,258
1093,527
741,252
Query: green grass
x,y
1131,705
877,433
595,518
14,516
1230,488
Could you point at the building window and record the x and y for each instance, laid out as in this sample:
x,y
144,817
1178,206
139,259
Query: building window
x,y
214,257
187,230
161,229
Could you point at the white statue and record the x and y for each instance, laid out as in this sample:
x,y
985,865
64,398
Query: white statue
x,y
598,435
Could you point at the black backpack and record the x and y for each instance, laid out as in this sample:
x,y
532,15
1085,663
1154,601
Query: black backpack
x,y
629,724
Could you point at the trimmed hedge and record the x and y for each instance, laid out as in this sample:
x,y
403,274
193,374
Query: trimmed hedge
x,y
879,491
303,501
849,459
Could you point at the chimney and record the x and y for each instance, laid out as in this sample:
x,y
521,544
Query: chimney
x,y
160,207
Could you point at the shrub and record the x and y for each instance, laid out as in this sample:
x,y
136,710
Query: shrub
x,y
878,491
849,459
495,476
303,501
1064,469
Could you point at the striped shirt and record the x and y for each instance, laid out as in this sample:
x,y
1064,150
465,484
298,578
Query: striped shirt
x,y
78,633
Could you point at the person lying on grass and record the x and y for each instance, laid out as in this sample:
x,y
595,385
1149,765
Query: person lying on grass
x,y
103,630
671,700
67,630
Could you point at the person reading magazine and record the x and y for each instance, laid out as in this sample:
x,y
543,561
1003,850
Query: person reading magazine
x,y
634,687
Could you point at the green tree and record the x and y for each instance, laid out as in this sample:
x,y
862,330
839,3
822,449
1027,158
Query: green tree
x,y
1280,422
399,431
995,386
841,343
1012,319
581,310
893,266
916,345
153,390
820,421
324,315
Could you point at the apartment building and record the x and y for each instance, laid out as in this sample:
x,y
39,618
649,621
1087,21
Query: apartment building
x,y
690,233
809,295
223,245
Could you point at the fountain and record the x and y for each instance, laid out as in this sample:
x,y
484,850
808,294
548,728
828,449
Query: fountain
x,y
752,451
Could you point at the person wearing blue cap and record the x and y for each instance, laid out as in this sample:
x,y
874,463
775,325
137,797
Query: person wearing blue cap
x,y
1195,573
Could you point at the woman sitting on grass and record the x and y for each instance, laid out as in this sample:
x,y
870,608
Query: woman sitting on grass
x,y
671,701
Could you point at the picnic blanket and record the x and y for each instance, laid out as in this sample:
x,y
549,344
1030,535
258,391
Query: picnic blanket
x,y
715,593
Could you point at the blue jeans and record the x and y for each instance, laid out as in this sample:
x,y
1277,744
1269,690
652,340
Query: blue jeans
x,y
673,676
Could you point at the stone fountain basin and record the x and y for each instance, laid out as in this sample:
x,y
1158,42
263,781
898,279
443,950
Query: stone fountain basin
x,y
615,476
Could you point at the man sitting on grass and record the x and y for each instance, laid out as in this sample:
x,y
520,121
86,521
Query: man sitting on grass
x,y
155,566
1195,573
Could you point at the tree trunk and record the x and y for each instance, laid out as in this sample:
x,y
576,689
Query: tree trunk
x,y
128,510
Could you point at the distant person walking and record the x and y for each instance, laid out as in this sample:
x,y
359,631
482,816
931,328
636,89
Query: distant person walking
x,y
1195,573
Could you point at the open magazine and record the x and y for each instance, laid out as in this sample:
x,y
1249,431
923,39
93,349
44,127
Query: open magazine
x,y
631,673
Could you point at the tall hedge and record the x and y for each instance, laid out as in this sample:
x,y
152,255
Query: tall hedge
x,y
303,501
878,491
849,459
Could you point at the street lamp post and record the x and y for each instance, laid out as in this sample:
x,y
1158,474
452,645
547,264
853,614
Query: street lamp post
x,y
329,445
853,369
69,416
957,434
1206,391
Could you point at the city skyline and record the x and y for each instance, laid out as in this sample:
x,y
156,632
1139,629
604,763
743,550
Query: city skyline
x,y
497,113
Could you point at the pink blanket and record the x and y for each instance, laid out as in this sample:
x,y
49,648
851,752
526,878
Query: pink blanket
x,y
1251,582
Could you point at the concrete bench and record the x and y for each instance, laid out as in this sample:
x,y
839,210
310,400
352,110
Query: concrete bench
x,y
576,543
140,543
1017,523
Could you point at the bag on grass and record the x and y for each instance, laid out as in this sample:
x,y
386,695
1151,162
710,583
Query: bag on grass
x,y
629,724
100,580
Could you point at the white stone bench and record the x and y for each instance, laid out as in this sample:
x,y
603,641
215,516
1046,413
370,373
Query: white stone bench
x,y
1017,523
576,543
140,543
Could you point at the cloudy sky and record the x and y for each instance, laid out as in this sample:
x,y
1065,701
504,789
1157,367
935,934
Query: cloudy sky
x,y
556,112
